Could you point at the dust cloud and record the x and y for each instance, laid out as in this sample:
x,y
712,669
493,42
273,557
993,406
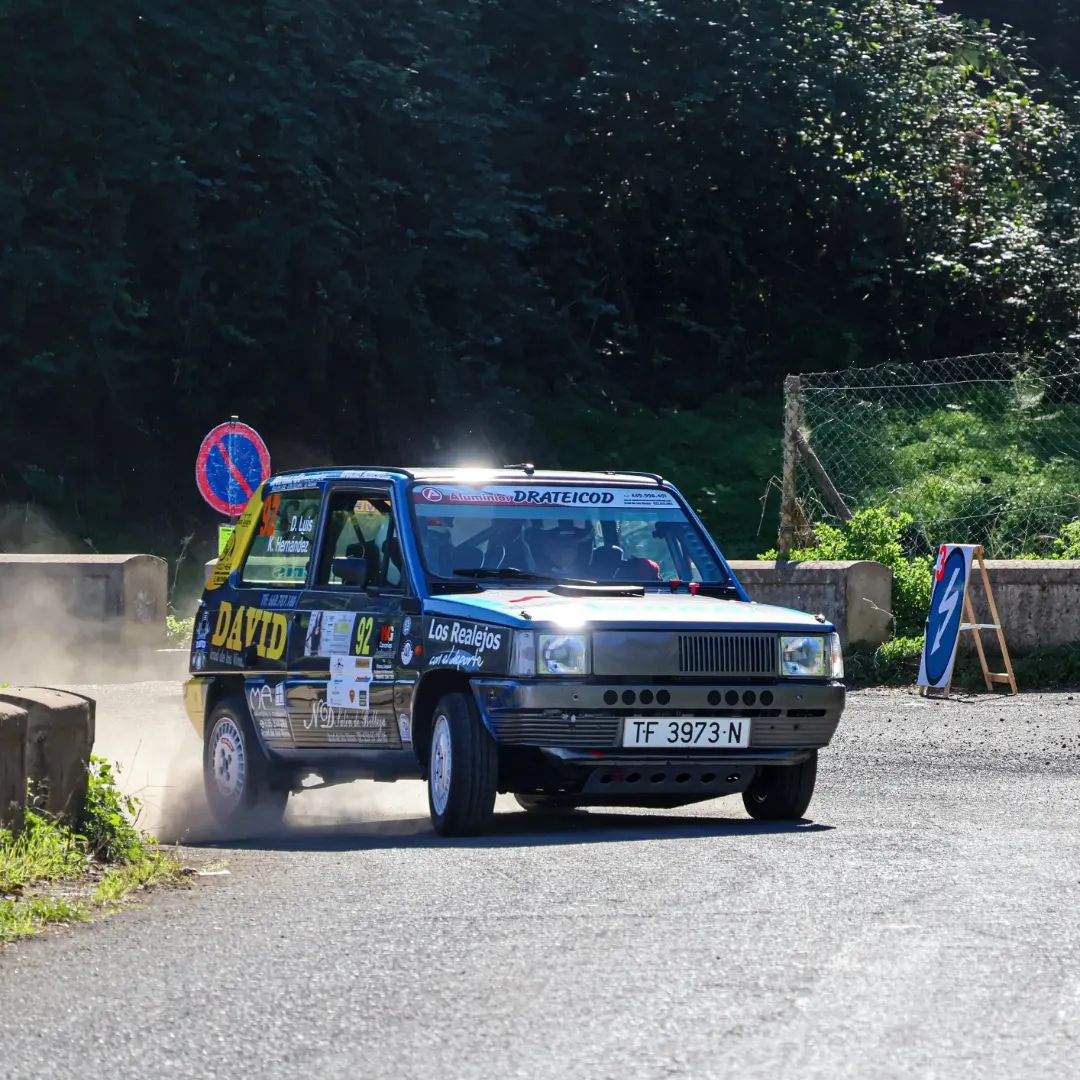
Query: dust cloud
x,y
141,727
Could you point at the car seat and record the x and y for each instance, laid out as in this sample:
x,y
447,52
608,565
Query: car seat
x,y
467,557
606,562
639,569
367,550
507,547
438,552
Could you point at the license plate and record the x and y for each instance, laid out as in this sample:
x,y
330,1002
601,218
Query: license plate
x,y
676,733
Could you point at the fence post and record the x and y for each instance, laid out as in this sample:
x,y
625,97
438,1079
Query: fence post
x,y
789,505
817,471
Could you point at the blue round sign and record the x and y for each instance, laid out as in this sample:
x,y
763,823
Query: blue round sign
x,y
946,611
233,461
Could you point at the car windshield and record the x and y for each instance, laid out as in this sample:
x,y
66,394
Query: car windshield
x,y
570,533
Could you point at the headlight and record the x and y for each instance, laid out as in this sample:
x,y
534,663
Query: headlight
x,y
836,657
804,655
523,653
562,654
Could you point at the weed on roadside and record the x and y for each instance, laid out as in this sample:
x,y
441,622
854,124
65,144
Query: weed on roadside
x,y
52,873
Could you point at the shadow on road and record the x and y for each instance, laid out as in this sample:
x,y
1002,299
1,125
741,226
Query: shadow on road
x,y
508,830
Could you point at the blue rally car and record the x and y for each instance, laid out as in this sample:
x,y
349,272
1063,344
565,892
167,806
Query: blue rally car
x,y
576,639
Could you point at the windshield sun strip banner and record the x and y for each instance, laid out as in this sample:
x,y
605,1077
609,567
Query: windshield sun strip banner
x,y
541,497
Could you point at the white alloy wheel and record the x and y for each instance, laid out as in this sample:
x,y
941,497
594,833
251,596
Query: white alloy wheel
x,y
228,762
441,762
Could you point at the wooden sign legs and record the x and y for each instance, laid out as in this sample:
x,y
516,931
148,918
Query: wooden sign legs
x,y
991,678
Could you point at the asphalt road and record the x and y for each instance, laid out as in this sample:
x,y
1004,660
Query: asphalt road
x,y
924,923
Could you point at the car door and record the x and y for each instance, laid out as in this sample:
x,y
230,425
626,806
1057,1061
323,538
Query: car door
x,y
348,635
270,585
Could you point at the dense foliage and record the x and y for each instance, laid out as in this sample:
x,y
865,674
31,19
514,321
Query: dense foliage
x,y
421,231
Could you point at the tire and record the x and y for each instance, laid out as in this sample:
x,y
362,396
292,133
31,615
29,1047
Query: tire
x,y
781,792
546,806
242,787
463,769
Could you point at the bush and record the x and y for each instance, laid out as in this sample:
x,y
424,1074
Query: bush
x,y
178,631
898,660
876,534
107,822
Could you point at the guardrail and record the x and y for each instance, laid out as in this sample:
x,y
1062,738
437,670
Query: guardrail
x,y
46,737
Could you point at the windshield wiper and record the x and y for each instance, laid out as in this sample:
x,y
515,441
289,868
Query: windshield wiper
x,y
515,573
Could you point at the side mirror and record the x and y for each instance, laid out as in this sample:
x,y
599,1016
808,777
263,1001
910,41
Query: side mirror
x,y
352,571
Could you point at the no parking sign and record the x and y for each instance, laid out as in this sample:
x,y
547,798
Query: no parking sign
x,y
233,461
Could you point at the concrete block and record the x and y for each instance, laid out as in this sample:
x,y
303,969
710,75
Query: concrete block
x,y
59,738
1038,601
12,766
855,596
79,618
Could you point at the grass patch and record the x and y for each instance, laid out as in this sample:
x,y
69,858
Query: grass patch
x,y
21,918
41,852
155,868
53,873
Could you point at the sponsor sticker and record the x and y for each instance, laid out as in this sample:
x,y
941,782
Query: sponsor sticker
x,y
359,726
236,628
350,681
279,601
267,707
466,645
329,633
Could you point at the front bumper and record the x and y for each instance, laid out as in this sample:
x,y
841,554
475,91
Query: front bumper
x,y
789,716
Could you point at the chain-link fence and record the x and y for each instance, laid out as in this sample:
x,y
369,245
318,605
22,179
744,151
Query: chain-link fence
x,y
977,449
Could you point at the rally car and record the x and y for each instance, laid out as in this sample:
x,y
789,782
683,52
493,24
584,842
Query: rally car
x,y
575,639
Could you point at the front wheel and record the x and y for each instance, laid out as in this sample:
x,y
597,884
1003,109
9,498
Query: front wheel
x,y
463,769
782,792
239,780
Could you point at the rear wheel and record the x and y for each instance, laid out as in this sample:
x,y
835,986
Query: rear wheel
x,y
463,769
781,792
242,787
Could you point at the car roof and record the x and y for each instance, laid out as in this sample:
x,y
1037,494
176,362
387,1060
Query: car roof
x,y
515,474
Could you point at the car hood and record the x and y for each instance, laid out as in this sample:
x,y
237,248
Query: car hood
x,y
539,607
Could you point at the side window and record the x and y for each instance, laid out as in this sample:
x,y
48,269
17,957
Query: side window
x,y
282,548
360,525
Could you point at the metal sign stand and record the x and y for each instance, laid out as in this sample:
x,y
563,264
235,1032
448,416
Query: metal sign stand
x,y
991,678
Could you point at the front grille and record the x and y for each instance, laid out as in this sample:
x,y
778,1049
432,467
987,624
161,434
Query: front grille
x,y
537,729
727,654
788,733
